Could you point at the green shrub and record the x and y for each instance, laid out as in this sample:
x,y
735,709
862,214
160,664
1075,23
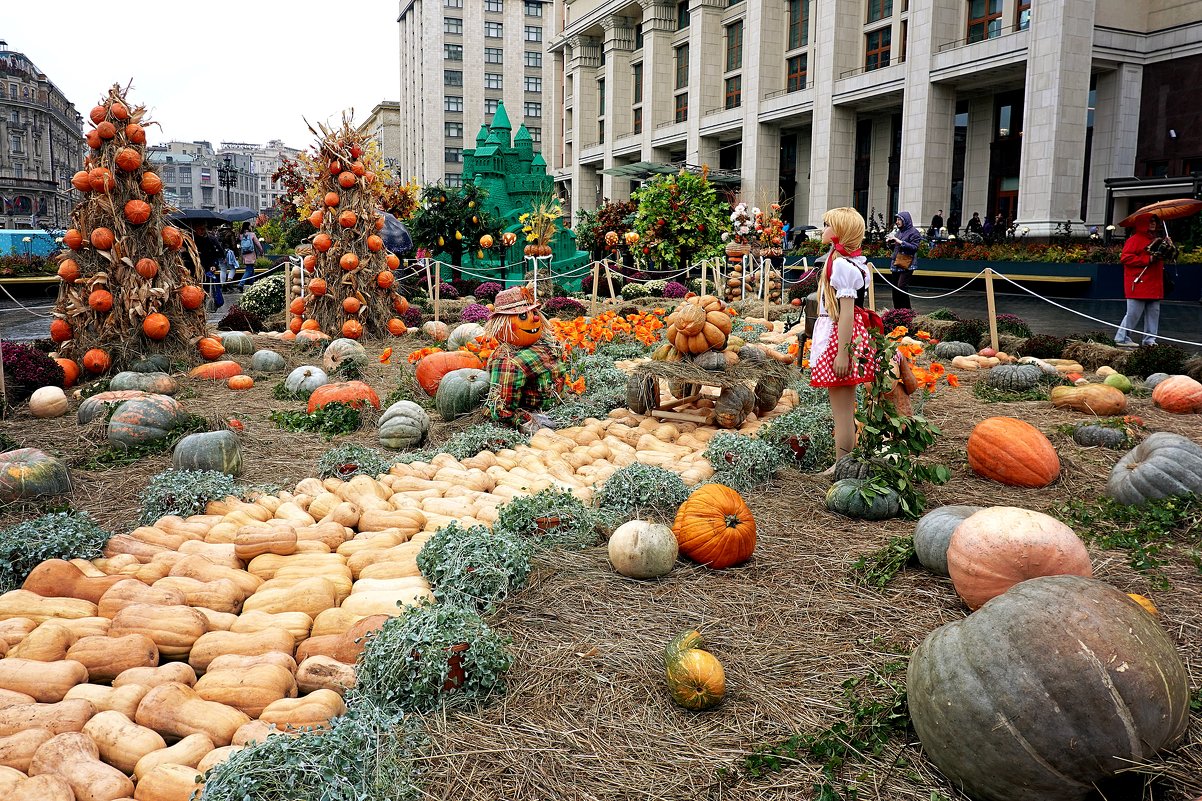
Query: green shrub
x,y
183,493
1102,337
61,535
942,313
549,518
740,462
350,459
633,291
642,491
265,297
329,421
966,331
1148,359
474,567
813,427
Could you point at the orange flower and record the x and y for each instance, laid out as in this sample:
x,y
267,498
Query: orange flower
x,y
897,333
923,335
386,355
937,368
792,348
953,380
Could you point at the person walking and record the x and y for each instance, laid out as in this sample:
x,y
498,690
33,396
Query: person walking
x,y
1143,283
230,267
904,239
936,225
974,224
209,251
251,249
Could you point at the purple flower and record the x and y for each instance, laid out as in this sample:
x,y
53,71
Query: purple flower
x,y
474,313
448,292
487,291
412,318
564,307
675,289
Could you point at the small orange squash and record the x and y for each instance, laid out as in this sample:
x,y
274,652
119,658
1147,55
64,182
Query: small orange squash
x,y
351,305
322,243
347,219
294,325
317,286
128,159
352,329
355,393
240,382
73,239
210,348
348,262
385,279
191,297
375,244
135,133
69,271
315,218
172,238
298,306
60,330
100,300
102,180
218,371
156,326
346,179
310,325
97,361
70,372
715,527
331,199
151,183
1012,452
393,261
102,238
137,211
147,268
396,327
82,181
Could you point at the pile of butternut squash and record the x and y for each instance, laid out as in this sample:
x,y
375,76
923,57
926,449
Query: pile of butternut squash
x,y
128,675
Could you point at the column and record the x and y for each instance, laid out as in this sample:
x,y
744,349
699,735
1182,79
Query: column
x,y
618,44
1115,133
976,157
1059,58
659,23
582,65
833,128
878,170
707,59
763,44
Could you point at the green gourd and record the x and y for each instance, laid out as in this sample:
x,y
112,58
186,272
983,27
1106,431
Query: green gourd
x,y
209,450
460,392
845,497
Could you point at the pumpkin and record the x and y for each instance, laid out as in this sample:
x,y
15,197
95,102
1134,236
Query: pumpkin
x,y
1096,399
68,271
317,287
343,350
143,420
216,371
640,549
1013,377
396,327
351,305
137,211
237,343
155,363
100,300
73,756
354,393
48,402
102,182
210,348
768,392
1012,452
846,497
996,548
70,372
240,382
463,334
176,710
404,424
715,527
853,466
733,405
713,360
1119,382
1163,465
30,473
352,329
698,324
1152,381
157,383
331,199
191,297
950,350
267,361
642,393
151,183
347,219
60,330
1178,394
99,404
933,534
97,361
435,329
310,325
432,368
156,326
209,450
1050,688
348,262
305,380
1091,434
460,392
120,741
695,676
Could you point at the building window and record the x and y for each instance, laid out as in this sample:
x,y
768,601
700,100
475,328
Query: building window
x,y
14,117
494,6
452,25
601,98
494,55
185,175
452,3
734,91
452,154
533,58
452,77
493,30
795,75
454,179
18,170
638,36
637,89
493,80
185,195
637,126
879,10
600,132
682,107
169,174
452,52
16,144
453,130
536,135
490,105
734,46
799,23
876,48
534,33
452,103
984,20
532,9
682,15
534,84
1022,15
532,109
682,66
1157,169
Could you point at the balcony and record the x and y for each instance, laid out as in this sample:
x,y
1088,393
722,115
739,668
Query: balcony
x,y
863,86
997,59
721,120
787,103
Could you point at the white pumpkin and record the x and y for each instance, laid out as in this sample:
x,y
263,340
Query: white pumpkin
x,y
267,361
306,378
464,334
343,350
404,424
640,549
48,402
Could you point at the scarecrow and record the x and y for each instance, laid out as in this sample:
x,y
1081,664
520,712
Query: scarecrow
x,y
524,369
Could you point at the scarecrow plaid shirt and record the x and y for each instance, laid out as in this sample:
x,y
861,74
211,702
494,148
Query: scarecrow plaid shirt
x,y
522,379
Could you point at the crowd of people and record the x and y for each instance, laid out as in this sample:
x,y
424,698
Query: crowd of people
x,y
221,252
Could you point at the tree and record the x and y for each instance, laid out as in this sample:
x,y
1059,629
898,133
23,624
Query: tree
x,y
452,220
680,217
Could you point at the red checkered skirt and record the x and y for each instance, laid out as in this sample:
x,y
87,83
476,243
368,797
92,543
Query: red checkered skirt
x,y
863,360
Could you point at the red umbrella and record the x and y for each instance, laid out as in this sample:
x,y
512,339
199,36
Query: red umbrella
x,y
1165,210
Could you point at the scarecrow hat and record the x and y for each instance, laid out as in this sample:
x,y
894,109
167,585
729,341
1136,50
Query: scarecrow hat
x,y
515,301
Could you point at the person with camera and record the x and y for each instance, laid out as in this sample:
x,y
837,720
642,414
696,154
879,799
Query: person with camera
x,y
1143,259
904,239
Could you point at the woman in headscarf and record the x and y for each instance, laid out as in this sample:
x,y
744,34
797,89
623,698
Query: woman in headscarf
x,y
905,239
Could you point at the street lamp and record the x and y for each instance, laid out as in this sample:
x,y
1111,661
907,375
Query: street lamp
x,y
227,175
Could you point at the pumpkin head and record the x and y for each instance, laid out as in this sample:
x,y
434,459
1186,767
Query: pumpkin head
x,y
147,268
100,300
156,326
515,318
432,368
128,159
211,348
102,238
68,271
191,296
137,211
97,361
151,183
715,527
73,239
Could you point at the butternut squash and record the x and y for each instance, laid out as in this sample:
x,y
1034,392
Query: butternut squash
x,y
15,629
333,621
17,750
176,710
10,698
406,520
62,579
157,536
243,662
311,546
215,643
59,717
344,513
216,757
345,647
399,567
311,596
169,782
329,533
47,682
265,566
123,699
249,690
74,757
397,553
106,658
217,621
201,568
41,788
284,579
324,673
10,778
87,626
399,583
221,595
252,541
148,677
371,540
314,710
131,591
120,741
39,609
47,643
386,602
124,544
254,732
298,624
187,752
157,568
217,553
173,628
193,528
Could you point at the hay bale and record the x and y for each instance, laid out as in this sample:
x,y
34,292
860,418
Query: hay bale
x,y
1007,343
936,328
1092,355
1193,368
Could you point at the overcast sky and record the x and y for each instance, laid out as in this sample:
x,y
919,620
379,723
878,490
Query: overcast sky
x,y
221,70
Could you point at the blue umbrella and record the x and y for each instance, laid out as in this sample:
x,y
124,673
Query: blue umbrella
x,y
396,236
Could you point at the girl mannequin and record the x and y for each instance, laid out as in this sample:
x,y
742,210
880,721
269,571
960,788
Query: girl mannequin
x,y
842,353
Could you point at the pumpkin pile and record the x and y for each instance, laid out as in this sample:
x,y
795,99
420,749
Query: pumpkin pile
x,y
347,281
741,284
699,324
125,288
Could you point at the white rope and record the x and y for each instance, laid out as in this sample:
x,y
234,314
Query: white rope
x,y
253,278
23,306
936,297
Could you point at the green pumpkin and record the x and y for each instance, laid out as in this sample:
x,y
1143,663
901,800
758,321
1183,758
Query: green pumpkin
x,y
404,424
267,361
305,379
343,350
158,363
1013,377
156,383
144,420
844,498
1119,382
1091,434
464,334
933,534
97,406
209,450
950,350
29,473
237,343
642,393
768,391
460,392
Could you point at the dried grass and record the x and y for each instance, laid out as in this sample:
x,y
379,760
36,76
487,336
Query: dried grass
x,y
1092,355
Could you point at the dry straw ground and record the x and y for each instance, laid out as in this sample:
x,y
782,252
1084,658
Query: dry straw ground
x,y
587,715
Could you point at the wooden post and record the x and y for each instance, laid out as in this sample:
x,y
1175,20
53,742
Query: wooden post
x,y
429,279
992,308
596,281
610,280
705,263
438,291
871,286
288,287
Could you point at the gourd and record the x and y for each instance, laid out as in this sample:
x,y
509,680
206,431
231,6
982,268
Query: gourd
x,y
846,497
249,690
713,360
1091,434
176,710
768,392
949,350
220,596
237,343
343,350
74,757
216,643
640,549
322,672
124,699
933,535
187,752
304,380
714,527
997,697
56,578
154,363
172,628
998,547
152,383
252,541
120,741
463,334
106,658
64,716
698,324
353,393
1178,394
1153,381
216,757
209,450
315,710
436,330
432,368
130,591
151,677
41,788
696,679
11,777
216,371
46,402
1013,377
47,643
169,782
46,682
16,750
29,473
1012,452
141,421
97,406
243,662
1096,399
852,466
460,392
310,596
267,361
345,647
404,424
733,405
1119,382
642,393
1163,465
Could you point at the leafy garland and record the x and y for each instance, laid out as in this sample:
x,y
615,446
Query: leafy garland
x,y
680,218
551,518
473,567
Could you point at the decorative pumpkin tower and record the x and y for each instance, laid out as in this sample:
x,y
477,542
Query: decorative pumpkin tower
x,y
347,279
126,289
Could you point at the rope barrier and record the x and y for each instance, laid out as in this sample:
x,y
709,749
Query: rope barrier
x,y
252,279
935,297
23,306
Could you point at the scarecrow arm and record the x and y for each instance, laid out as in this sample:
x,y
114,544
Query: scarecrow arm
x,y
507,377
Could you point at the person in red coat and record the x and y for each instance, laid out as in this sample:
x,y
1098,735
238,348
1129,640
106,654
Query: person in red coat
x,y
1143,284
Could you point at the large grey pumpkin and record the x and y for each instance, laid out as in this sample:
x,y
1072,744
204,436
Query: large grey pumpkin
x,y
343,350
949,350
933,534
159,383
267,361
304,379
463,334
1161,466
1013,377
404,424
155,363
97,406
642,393
141,421
845,497
461,392
209,450
238,343
1052,686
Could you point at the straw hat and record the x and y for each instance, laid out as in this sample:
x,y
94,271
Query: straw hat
x,y
515,301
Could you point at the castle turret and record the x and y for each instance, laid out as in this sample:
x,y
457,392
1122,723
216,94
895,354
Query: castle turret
x,y
524,145
500,127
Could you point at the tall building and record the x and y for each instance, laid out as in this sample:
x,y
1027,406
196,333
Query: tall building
x,y
41,146
384,125
459,59
1038,111
261,162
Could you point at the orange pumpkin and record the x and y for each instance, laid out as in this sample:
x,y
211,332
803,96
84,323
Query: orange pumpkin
x,y
191,296
1178,394
217,371
128,159
392,260
172,238
310,325
486,241
151,183
70,372
432,368
97,361
331,199
714,527
310,261
82,181
400,304
351,305
352,329
101,178
298,306
357,168
347,219
135,133
315,218
102,238
349,261
696,679
137,211
240,382
60,330
354,393
73,239
396,327
322,243
375,244
100,300
385,279
317,286
346,179
311,335
335,166
288,336
156,326
1012,452
119,111
106,130
147,268
294,324
98,114
210,348
93,139
69,271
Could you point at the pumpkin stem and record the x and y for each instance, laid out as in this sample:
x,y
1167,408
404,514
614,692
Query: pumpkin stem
x,y
733,521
